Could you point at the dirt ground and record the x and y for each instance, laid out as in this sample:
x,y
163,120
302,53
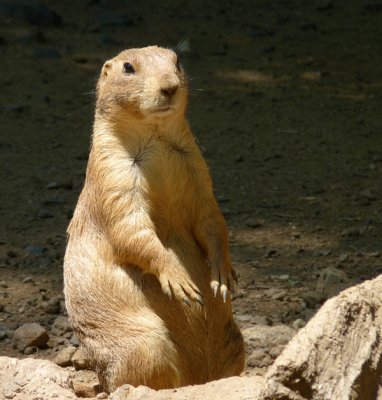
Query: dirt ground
x,y
285,100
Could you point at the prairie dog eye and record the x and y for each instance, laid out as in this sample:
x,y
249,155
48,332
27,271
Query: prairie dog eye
x,y
128,68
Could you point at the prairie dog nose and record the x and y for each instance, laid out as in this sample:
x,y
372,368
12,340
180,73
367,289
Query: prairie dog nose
x,y
169,85
169,90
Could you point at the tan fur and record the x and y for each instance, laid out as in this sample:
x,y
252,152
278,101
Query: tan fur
x,y
147,241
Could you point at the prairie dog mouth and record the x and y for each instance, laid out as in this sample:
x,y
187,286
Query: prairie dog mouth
x,y
164,109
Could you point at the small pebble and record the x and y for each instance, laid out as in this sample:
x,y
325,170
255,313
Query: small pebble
x,y
74,341
298,324
47,52
367,194
11,253
271,253
60,185
253,223
30,350
351,232
344,257
45,214
36,250
52,306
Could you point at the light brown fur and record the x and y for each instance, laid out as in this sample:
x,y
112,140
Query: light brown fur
x,y
147,242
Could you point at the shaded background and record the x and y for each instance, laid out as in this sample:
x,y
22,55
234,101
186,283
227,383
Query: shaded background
x,y
285,99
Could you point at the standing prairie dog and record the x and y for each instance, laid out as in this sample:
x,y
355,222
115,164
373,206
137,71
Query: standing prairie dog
x,y
147,269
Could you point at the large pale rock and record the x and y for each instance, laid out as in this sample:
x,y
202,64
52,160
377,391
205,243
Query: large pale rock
x,y
33,379
338,355
225,389
30,335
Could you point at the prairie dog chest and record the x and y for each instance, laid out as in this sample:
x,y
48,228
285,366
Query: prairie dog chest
x,y
167,169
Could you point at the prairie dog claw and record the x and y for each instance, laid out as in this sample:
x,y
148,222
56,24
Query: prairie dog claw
x,y
214,287
223,291
226,283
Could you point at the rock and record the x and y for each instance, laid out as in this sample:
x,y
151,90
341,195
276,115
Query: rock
x,y
61,325
298,324
252,319
1,307
284,277
366,194
12,253
74,340
271,253
3,335
337,355
322,253
276,293
351,232
30,335
3,284
259,359
47,53
30,350
63,358
332,281
45,214
60,185
52,306
63,310
54,201
313,76
79,360
102,396
86,390
253,223
235,388
267,336
30,378
36,250
344,257
313,298
28,279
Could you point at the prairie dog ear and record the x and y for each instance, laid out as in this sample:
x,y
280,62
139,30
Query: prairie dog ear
x,y
106,68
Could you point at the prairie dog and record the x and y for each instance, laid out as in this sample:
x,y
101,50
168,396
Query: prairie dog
x,y
147,269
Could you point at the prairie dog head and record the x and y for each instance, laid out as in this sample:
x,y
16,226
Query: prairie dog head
x,y
147,83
